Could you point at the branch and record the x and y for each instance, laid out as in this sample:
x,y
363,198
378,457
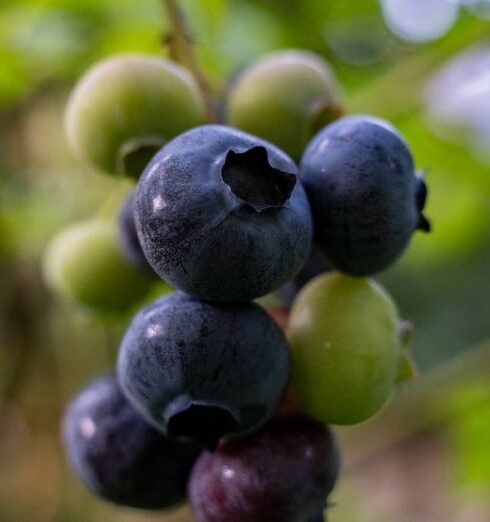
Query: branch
x,y
181,46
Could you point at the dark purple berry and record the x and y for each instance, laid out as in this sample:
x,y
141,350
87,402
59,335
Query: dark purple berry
x,y
118,455
284,472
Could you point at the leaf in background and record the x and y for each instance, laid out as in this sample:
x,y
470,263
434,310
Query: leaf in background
x,y
14,79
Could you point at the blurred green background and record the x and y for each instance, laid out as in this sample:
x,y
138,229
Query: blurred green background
x,y
425,65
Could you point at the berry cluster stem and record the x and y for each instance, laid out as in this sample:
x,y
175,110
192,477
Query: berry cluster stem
x,y
181,46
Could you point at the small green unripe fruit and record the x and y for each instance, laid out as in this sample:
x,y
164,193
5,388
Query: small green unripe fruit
x,y
347,352
83,263
285,97
125,108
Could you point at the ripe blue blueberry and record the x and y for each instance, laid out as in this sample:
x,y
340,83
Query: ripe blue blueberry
x,y
365,197
284,472
221,214
118,455
202,370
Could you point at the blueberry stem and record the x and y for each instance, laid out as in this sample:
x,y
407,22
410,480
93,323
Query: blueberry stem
x,y
180,44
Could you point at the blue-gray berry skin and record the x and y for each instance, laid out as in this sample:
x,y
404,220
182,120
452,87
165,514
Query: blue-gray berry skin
x,y
128,236
118,455
201,370
222,216
365,197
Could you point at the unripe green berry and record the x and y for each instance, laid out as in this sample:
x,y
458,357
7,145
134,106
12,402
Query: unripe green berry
x,y
285,97
83,264
347,352
126,107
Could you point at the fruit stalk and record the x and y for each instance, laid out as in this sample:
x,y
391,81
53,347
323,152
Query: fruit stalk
x,y
180,44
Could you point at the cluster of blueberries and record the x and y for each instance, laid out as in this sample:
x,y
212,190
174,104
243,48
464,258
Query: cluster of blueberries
x,y
196,407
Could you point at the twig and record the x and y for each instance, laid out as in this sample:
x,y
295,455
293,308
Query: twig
x,y
181,47
417,408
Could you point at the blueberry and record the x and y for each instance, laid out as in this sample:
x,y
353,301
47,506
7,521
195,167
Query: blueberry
x,y
126,107
365,197
202,370
83,263
221,215
285,97
118,455
284,472
128,237
348,356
